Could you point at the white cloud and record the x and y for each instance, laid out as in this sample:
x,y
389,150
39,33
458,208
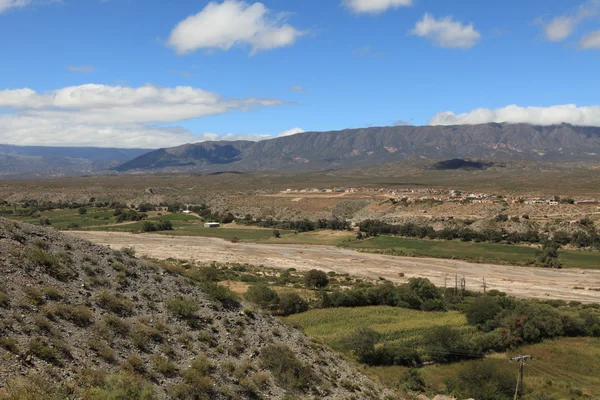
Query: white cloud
x,y
290,132
561,27
81,68
231,23
101,115
375,6
591,41
568,113
297,88
8,4
446,32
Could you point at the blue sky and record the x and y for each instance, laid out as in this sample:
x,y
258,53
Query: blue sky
x,y
171,72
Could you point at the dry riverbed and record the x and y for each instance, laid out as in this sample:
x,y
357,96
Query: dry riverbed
x,y
571,284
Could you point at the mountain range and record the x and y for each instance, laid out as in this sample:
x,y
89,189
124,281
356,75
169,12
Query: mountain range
x,y
355,147
313,151
47,162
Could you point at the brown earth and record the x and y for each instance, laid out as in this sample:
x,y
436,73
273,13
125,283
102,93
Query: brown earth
x,y
517,281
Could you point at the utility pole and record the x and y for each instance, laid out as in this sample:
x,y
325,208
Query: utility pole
x,y
445,279
484,286
521,360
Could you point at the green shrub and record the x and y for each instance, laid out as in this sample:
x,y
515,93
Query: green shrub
x,y
288,371
78,315
115,303
117,326
10,344
315,279
197,382
183,307
220,293
53,293
33,387
292,303
52,265
35,295
412,381
39,347
484,380
164,366
123,386
263,296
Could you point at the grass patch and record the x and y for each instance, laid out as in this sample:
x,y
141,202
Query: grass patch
x,y
393,324
479,252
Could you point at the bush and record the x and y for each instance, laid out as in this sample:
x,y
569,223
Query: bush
x,y
82,210
164,366
444,345
197,382
115,303
361,343
481,310
292,303
78,315
288,371
263,296
184,307
39,347
315,279
413,382
124,385
52,265
484,380
220,293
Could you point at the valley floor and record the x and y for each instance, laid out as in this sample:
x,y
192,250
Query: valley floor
x,y
569,285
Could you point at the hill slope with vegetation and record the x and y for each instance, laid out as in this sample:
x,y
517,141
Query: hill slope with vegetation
x,y
79,320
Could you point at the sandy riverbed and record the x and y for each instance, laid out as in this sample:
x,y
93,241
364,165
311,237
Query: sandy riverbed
x,y
516,281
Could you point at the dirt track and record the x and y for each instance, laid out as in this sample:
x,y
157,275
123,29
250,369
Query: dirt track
x,y
517,281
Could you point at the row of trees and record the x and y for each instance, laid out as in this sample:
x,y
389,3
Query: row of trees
x,y
588,238
304,225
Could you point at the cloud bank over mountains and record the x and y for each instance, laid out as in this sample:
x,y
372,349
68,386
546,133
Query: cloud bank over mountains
x,y
553,115
113,116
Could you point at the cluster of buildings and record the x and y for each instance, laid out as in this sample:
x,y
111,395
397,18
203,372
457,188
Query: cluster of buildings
x,y
441,195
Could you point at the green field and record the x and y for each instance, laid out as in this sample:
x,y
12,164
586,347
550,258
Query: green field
x,y
393,324
480,252
568,368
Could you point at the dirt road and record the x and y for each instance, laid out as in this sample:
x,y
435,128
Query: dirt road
x,y
517,281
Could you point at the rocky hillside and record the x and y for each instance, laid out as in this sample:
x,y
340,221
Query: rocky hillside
x,y
79,320
355,147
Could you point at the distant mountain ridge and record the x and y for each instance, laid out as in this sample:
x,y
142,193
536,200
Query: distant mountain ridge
x,y
367,146
46,162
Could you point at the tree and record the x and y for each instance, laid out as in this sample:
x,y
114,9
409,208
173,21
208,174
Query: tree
x,y
292,303
226,218
412,381
482,310
82,210
361,343
315,279
548,257
276,233
263,296
485,380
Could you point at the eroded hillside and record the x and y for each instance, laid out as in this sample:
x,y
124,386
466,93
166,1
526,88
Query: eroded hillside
x,y
80,320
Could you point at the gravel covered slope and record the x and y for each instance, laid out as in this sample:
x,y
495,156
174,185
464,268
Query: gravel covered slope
x,y
81,320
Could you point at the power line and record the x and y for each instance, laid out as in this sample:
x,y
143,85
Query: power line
x,y
538,368
566,376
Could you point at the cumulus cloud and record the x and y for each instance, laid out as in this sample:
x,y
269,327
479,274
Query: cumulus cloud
x,y
561,27
446,32
233,22
375,6
568,113
8,4
81,68
591,41
101,115
290,132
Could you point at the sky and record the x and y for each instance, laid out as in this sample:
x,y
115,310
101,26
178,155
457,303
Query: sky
x,y
158,73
